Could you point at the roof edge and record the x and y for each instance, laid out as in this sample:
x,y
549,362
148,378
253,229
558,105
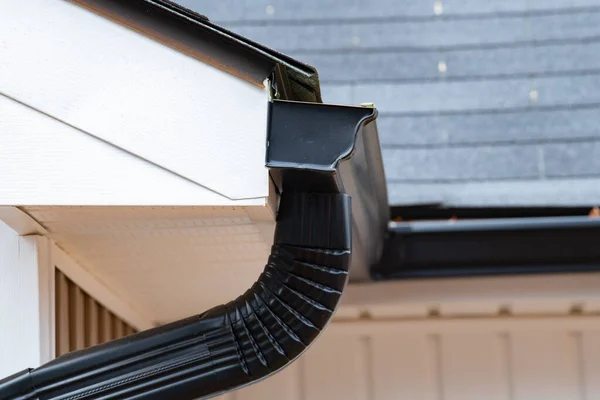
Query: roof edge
x,y
193,34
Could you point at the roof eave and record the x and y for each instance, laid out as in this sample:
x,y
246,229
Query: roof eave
x,y
194,35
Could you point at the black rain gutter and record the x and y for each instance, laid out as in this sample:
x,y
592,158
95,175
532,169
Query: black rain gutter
x,y
490,247
320,156
193,34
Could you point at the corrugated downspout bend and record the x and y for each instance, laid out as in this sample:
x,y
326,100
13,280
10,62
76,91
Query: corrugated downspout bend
x,y
311,153
231,345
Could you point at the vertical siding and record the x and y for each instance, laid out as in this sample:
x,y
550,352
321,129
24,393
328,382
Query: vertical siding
x,y
62,334
285,384
478,358
77,320
590,350
106,330
404,367
558,363
92,322
546,366
80,320
332,361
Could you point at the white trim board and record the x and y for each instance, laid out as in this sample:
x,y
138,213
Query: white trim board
x,y
50,256
46,162
26,301
47,299
102,79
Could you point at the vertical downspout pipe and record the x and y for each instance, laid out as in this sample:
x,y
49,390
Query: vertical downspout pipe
x,y
247,339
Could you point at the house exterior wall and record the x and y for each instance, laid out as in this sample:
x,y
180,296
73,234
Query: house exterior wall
x,y
545,349
488,358
50,305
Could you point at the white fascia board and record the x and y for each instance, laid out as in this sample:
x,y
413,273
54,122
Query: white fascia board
x,y
137,94
46,162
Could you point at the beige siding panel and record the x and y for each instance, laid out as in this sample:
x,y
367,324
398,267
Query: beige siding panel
x,y
229,396
92,325
546,365
62,314
475,367
590,353
405,367
117,325
510,359
284,385
128,330
106,329
80,320
336,368
77,318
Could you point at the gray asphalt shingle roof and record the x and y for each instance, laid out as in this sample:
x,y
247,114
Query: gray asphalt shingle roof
x,y
481,102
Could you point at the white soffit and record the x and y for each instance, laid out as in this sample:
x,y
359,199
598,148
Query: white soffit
x,y
167,262
126,89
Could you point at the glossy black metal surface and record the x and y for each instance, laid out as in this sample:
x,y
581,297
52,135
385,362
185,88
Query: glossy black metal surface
x,y
334,148
490,247
271,324
195,35
230,345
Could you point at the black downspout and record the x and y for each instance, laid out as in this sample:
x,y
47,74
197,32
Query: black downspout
x,y
230,345
251,337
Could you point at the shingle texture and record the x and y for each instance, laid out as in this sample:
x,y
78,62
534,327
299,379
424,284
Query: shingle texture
x,y
482,103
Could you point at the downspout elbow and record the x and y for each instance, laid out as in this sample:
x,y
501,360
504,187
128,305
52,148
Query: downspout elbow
x,y
231,345
293,300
